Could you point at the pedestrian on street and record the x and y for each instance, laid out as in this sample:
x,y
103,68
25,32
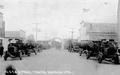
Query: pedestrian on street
x,y
10,70
1,50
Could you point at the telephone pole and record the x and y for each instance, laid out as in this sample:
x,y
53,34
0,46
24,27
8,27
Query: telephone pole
x,y
118,23
71,43
72,32
36,29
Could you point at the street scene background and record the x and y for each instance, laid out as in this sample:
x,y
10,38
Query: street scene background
x,y
60,37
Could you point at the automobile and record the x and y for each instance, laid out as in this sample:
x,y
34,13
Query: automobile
x,y
30,48
83,47
92,49
76,47
12,52
109,52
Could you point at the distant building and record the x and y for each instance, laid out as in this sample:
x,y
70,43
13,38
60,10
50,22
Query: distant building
x,y
13,36
98,31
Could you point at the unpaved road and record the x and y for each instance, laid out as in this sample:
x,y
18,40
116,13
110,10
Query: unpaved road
x,y
59,62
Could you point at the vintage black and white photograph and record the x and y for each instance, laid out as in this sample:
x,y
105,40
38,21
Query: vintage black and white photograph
x,y
59,37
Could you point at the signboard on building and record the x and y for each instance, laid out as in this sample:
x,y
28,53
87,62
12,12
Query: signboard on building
x,y
14,35
98,31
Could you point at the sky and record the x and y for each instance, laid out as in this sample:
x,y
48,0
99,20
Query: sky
x,y
56,18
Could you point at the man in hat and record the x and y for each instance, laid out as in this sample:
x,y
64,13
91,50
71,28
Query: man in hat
x,y
10,70
1,50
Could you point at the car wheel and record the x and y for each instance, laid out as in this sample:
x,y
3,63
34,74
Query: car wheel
x,y
88,55
28,54
5,57
20,58
80,53
35,52
100,57
116,59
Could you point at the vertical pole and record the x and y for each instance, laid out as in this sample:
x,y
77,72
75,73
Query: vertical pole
x,y
118,23
36,31
72,34
72,39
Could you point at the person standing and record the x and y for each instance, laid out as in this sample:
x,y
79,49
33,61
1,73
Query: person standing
x,y
10,70
1,50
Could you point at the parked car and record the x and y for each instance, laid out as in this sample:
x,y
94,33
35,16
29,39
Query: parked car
x,y
109,52
12,52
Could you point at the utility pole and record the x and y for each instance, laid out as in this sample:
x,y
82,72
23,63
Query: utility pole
x,y
36,29
118,23
72,32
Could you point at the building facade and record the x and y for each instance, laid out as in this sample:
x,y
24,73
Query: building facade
x,y
12,37
98,31
15,35
2,29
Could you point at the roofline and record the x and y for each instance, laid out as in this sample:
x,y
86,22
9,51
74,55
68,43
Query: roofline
x,y
99,23
16,31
